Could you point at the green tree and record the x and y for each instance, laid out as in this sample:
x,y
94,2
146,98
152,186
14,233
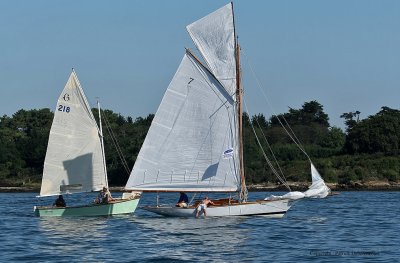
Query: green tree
x,y
310,125
349,121
377,133
311,112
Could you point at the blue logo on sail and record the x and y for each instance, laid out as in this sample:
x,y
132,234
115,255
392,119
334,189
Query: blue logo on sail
x,y
228,153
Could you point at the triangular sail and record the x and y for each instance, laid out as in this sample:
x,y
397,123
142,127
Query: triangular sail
x,y
214,36
318,188
192,142
74,158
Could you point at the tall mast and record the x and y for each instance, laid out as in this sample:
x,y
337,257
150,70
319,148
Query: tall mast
x,y
102,144
239,93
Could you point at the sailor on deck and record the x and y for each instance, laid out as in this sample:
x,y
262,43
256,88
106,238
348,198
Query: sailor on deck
x,y
203,206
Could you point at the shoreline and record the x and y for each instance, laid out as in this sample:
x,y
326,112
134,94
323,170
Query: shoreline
x,y
294,186
352,186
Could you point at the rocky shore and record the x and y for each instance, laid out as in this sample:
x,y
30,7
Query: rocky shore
x,y
351,186
267,187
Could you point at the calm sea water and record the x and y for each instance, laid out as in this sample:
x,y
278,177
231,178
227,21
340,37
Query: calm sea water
x,y
350,227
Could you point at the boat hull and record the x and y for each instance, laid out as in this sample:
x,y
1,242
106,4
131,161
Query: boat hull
x,y
274,209
122,206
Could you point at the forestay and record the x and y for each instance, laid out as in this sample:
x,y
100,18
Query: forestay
x,y
74,158
214,36
192,142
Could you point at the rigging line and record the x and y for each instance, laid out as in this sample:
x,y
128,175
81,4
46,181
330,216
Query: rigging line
x,y
265,155
282,180
123,160
108,126
116,145
297,142
295,139
270,149
191,200
119,150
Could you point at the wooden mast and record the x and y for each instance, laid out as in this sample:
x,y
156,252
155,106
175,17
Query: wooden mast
x,y
239,93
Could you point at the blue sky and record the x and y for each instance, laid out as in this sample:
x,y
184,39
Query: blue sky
x,y
344,54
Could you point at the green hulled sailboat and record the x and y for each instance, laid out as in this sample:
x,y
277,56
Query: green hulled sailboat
x,y
75,160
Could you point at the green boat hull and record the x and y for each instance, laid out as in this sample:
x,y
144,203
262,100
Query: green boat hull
x,y
122,206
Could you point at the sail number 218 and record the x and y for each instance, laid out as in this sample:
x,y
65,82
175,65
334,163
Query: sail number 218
x,y
64,108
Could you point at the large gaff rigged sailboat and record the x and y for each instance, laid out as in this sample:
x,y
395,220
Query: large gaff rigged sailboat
x,y
194,143
75,160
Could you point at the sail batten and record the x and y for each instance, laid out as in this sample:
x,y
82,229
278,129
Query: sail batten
x,y
74,155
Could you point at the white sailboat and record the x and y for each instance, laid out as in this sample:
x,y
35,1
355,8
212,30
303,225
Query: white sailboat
x,y
75,160
194,143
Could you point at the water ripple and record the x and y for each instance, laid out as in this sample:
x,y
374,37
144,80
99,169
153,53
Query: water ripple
x,y
350,227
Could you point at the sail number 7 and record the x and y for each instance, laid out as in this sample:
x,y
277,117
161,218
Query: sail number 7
x,y
64,108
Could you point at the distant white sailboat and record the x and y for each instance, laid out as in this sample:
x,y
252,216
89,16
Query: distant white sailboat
x,y
75,160
195,141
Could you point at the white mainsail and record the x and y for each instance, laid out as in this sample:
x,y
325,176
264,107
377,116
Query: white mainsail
x,y
214,36
74,157
192,142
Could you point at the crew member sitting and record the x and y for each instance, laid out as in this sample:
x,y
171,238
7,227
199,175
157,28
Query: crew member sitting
x,y
60,202
104,196
183,200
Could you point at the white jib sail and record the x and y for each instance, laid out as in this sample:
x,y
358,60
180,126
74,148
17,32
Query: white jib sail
x,y
318,188
192,142
214,36
74,160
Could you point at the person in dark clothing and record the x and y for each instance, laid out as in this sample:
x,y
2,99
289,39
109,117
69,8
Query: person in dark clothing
x,y
60,202
183,200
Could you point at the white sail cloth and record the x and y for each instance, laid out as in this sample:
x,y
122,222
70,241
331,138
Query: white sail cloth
x,y
291,195
74,157
192,142
214,36
318,189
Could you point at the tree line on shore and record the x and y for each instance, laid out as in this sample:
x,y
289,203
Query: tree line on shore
x,y
368,150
